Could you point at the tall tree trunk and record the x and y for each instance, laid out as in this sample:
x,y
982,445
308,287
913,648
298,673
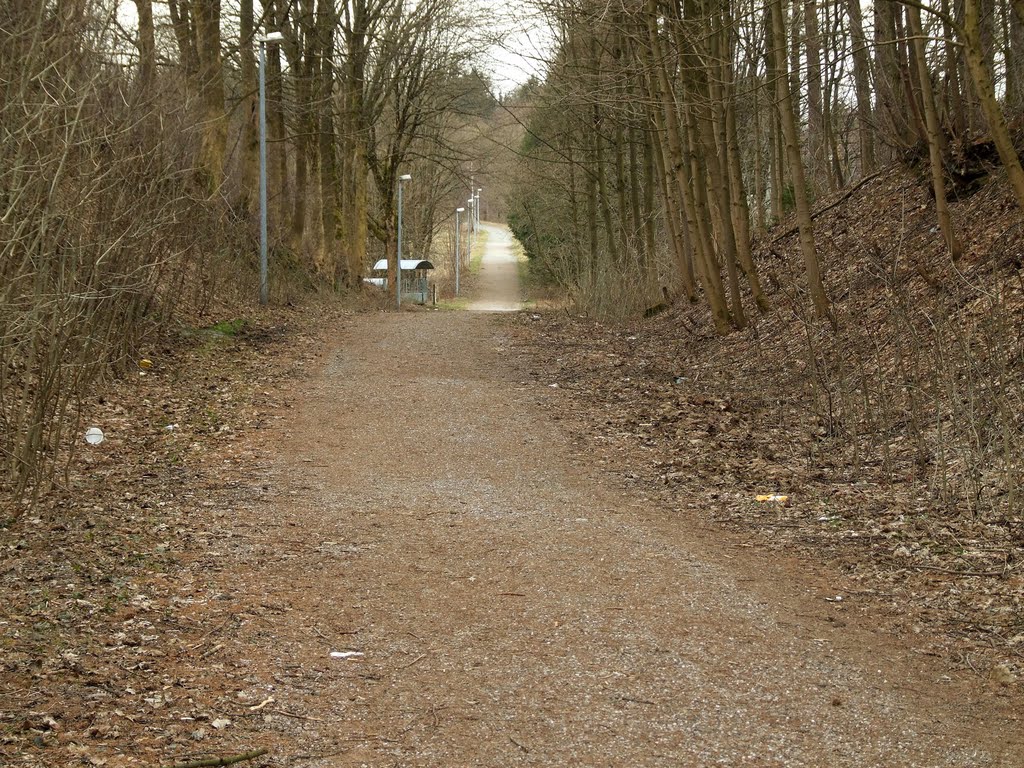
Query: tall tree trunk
x,y
574,206
635,185
185,37
602,188
713,148
795,51
674,217
359,209
697,130
712,120
952,94
796,169
740,209
335,267
775,143
815,110
679,162
277,151
1014,61
759,180
650,235
627,222
626,226
981,73
911,77
708,266
890,105
250,140
356,132
211,77
147,45
592,193
934,132
833,73
301,54
862,87
597,128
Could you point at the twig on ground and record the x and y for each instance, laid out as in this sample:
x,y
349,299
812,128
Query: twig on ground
x,y
296,715
267,701
765,523
209,652
414,661
211,762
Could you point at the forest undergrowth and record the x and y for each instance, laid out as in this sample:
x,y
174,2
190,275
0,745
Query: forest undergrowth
x,y
116,647
896,441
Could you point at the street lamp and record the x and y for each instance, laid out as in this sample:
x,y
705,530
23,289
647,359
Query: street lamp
x,y
398,276
458,238
469,252
477,196
273,37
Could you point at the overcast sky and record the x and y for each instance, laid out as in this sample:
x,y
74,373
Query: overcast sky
x,y
511,63
525,49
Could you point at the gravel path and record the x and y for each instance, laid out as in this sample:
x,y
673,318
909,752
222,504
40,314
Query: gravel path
x,y
513,608
497,288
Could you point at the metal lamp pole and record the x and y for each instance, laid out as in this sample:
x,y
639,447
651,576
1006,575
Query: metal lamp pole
x,y
273,37
469,252
398,272
477,196
458,238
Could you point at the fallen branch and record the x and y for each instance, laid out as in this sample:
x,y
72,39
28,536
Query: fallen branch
x,y
834,204
211,651
211,762
414,661
296,715
267,701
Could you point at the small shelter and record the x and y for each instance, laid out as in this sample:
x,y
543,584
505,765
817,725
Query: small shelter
x,y
415,278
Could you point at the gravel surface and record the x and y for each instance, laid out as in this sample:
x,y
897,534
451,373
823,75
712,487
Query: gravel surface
x,y
512,607
497,286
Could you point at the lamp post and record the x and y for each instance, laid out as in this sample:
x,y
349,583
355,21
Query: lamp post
x,y
458,238
477,196
398,273
469,251
273,37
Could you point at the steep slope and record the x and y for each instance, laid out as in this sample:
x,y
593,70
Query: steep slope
x,y
897,438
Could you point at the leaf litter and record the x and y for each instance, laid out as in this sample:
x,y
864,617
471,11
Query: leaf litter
x,y
748,433
115,642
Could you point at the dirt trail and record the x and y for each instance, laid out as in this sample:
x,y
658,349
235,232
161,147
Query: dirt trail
x,y
497,287
512,608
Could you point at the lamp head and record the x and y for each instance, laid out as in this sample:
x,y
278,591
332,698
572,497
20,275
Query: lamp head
x,y
405,177
273,37
459,210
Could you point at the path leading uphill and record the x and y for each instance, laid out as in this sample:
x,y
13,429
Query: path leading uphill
x,y
497,288
491,600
